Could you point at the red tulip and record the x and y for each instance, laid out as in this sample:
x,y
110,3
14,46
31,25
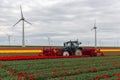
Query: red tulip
x,y
118,78
32,78
25,74
65,73
105,76
117,75
98,78
61,79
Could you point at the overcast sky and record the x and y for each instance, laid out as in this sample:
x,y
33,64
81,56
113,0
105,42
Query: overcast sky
x,y
61,20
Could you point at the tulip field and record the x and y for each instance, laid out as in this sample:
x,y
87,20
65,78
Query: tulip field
x,y
89,68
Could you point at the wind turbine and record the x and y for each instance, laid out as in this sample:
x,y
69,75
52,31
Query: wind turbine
x,y
23,31
95,33
49,40
9,39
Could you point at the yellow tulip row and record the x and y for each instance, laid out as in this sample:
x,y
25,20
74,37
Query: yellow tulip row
x,y
21,51
110,50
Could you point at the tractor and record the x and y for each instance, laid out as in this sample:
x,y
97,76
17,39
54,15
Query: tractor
x,y
72,48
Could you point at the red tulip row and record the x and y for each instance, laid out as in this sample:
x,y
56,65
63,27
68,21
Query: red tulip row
x,y
7,58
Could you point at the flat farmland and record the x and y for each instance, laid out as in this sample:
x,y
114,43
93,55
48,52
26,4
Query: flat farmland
x,y
90,68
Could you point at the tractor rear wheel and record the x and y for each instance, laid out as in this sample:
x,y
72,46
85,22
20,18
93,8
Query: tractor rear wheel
x,y
66,53
78,52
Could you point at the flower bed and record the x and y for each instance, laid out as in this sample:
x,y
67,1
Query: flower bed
x,y
90,68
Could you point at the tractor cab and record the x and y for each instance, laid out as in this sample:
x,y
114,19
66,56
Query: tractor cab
x,y
72,48
72,44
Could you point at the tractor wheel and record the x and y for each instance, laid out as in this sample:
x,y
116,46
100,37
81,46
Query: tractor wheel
x,y
66,53
78,52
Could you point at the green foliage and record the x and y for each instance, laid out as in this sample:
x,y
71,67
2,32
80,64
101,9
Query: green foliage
x,y
67,69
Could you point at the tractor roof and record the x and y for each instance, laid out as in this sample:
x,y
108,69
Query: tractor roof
x,y
73,42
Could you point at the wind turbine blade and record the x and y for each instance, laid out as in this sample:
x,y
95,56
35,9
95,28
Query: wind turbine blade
x,y
21,11
27,22
16,22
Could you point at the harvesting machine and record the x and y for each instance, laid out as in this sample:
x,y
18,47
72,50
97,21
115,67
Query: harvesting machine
x,y
71,48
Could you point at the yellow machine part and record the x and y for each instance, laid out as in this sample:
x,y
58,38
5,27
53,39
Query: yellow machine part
x,y
21,51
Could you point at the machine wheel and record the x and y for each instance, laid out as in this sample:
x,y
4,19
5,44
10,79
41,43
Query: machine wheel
x,y
66,53
78,52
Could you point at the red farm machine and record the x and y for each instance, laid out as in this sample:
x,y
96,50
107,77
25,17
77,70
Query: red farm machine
x,y
71,48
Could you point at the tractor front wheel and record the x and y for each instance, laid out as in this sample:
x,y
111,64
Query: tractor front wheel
x,y
66,53
78,52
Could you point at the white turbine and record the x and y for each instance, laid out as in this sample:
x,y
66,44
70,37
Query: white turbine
x,y
95,33
23,31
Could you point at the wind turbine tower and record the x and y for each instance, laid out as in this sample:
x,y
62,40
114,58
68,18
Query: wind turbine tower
x,y
95,28
23,30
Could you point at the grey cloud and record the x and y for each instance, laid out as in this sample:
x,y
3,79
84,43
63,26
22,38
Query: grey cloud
x,y
62,20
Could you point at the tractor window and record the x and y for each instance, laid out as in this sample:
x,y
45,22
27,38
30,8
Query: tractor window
x,y
71,44
75,44
67,44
